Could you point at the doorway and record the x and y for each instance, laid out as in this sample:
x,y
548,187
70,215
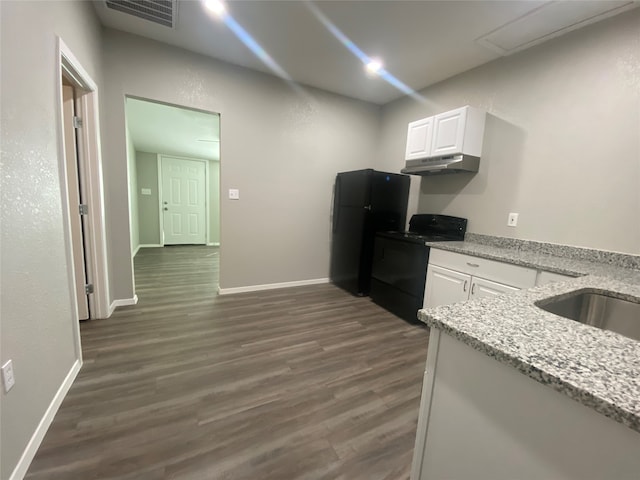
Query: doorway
x,y
173,160
76,191
81,181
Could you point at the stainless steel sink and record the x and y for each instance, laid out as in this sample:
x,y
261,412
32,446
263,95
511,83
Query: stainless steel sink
x,y
600,310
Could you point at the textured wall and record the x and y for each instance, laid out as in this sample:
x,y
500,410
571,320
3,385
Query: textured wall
x,y
132,175
280,147
562,145
149,223
37,325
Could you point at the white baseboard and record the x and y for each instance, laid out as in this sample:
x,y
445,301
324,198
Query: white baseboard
x,y
213,244
146,245
271,286
135,252
36,439
122,302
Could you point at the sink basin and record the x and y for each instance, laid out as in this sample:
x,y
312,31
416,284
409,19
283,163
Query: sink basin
x,y
602,310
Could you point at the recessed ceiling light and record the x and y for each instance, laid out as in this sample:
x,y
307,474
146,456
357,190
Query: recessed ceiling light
x,y
216,7
374,66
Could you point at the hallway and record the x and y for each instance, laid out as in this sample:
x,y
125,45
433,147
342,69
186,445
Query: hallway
x,y
307,382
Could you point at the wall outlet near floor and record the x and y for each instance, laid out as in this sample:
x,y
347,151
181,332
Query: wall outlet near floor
x,y
234,194
513,220
8,379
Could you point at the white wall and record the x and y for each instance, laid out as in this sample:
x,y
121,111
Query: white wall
x,y
282,150
562,146
132,175
148,205
214,202
37,325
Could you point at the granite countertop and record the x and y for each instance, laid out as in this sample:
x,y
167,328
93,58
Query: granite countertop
x,y
598,368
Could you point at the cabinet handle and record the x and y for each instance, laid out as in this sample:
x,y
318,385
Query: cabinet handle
x,y
464,287
475,265
473,289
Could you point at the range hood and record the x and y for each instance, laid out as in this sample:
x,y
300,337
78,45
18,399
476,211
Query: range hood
x,y
440,165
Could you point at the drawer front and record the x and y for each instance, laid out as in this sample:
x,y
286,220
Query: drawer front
x,y
551,277
514,275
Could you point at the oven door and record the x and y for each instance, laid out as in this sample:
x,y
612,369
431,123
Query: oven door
x,y
400,264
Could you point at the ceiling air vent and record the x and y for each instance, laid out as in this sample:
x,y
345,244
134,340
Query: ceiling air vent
x,y
162,12
550,20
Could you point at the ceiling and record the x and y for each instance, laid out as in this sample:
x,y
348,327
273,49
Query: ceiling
x,y
159,128
419,42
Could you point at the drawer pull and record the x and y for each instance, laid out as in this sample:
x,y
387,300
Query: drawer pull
x,y
475,265
464,287
473,289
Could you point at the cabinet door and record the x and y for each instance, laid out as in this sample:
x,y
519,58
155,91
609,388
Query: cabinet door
x,y
484,288
445,286
551,277
419,135
448,132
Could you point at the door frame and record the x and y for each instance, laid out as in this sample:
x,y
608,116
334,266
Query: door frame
x,y
207,193
78,227
91,180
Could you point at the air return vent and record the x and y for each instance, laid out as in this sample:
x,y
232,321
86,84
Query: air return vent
x,y
550,20
162,12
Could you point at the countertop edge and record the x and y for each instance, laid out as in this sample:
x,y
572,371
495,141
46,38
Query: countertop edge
x,y
549,267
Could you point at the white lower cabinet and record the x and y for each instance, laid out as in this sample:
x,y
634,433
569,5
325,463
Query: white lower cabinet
x,y
483,420
481,287
454,277
444,286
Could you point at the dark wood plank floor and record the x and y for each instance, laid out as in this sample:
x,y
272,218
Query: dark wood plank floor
x,y
300,383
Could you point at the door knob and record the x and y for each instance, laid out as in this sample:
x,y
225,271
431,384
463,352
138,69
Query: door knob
x,y
165,208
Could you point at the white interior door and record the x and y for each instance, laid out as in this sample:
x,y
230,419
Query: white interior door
x,y
73,186
183,201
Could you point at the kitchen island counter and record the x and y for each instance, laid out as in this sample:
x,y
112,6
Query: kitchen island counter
x,y
598,368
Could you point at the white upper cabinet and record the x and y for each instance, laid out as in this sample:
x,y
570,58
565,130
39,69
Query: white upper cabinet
x,y
419,135
449,131
454,132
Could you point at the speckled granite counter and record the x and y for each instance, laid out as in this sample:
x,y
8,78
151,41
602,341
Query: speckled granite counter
x,y
598,368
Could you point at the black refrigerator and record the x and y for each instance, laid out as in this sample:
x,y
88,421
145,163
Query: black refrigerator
x,y
364,202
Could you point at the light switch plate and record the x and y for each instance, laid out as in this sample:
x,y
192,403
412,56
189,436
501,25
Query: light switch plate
x,y
146,191
234,194
513,220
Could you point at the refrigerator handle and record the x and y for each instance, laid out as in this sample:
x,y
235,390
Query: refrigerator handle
x,y
336,205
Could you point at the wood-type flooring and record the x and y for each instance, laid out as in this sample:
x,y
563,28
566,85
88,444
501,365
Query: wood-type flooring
x,y
299,383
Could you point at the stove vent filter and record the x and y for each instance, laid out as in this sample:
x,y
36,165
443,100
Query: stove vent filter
x,y
162,12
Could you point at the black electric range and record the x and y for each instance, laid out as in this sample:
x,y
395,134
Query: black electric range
x,y
400,261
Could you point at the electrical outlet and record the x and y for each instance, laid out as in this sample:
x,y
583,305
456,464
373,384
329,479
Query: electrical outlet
x,y
8,379
513,220
234,194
